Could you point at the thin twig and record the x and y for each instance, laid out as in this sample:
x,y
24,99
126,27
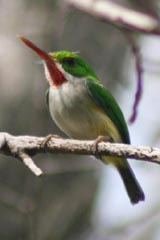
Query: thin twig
x,y
27,160
139,71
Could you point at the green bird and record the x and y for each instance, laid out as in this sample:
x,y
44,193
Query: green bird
x,y
84,109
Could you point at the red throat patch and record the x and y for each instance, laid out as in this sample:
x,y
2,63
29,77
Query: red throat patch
x,y
53,74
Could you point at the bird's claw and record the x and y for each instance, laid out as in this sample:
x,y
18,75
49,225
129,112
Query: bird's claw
x,y
98,140
47,139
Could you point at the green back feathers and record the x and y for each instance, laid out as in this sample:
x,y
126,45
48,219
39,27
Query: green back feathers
x,y
73,64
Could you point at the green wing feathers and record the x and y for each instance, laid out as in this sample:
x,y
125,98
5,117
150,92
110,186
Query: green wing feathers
x,y
107,102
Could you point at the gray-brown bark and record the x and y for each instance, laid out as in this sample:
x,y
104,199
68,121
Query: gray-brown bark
x,y
23,147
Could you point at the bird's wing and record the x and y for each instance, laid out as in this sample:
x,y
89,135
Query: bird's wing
x,y
106,101
47,98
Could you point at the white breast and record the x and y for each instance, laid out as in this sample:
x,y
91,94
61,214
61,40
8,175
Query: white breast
x,y
76,114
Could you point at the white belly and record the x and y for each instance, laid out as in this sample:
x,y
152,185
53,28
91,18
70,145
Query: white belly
x,y
76,114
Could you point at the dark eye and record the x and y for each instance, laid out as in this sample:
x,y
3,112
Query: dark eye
x,y
70,61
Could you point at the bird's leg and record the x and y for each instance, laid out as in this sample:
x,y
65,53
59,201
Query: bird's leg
x,y
48,138
100,139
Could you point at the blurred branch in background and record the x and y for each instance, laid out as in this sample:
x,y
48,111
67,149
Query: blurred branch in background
x,y
118,15
23,147
139,71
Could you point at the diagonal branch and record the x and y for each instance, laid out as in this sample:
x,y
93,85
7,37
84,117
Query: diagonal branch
x,y
24,147
27,160
118,15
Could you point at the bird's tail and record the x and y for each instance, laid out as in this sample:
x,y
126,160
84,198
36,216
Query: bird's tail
x,y
131,184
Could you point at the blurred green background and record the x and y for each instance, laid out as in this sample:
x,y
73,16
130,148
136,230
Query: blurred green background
x,y
78,197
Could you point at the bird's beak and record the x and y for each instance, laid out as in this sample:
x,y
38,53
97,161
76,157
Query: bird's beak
x,y
41,53
53,74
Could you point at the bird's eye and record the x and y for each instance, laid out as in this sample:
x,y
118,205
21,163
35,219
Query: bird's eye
x,y
70,61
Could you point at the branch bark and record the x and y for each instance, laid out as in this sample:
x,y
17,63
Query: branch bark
x,y
24,147
118,15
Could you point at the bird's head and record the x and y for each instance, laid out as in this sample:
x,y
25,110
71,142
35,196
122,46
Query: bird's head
x,y
61,66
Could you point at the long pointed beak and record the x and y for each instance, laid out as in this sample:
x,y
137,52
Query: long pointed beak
x,y
41,53
53,74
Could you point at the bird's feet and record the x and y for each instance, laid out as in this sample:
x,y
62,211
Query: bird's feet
x,y
100,139
48,138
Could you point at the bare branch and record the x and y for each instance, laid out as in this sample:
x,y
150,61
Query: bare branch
x,y
27,160
23,147
9,146
118,15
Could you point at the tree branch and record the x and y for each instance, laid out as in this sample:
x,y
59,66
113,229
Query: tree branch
x,y
24,147
118,15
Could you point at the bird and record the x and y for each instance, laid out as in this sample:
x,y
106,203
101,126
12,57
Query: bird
x,y
85,109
